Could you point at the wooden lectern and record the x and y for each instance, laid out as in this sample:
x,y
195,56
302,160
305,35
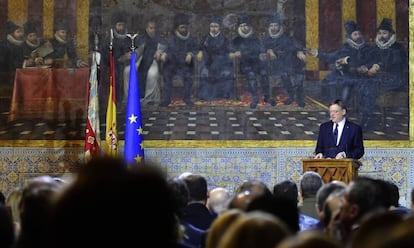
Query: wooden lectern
x,y
333,169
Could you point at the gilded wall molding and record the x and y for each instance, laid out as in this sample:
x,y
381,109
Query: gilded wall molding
x,y
312,32
48,16
82,37
17,11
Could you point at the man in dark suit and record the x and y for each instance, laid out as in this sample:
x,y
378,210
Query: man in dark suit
x,y
196,213
339,138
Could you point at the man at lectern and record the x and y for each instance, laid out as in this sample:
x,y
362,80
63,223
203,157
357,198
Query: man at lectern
x,y
339,138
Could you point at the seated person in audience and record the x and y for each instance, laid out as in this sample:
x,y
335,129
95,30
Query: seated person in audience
x,y
12,202
376,230
309,184
247,192
310,239
36,206
363,197
196,213
279,206
110,204
390,197
412,199
339,138
7,232
322,195
254,229
2,199
190,235
331,207
401,236
218,200
61,45
288,189
221,225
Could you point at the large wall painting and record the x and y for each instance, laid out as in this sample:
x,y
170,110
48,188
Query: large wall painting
x,y
236,91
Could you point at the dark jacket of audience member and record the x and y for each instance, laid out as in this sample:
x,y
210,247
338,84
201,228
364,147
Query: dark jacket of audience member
x,y
196,213
7,234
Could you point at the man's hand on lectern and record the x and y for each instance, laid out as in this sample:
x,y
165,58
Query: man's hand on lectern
x,y
340,155
318,156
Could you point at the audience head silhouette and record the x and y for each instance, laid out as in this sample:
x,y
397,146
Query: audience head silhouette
x,y
110,203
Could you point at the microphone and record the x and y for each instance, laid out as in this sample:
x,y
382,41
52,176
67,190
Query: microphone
x,y
346,150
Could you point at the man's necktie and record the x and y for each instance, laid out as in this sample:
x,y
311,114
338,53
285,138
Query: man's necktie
x,y
335,133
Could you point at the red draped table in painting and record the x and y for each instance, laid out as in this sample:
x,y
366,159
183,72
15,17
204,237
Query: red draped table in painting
x,y
50,93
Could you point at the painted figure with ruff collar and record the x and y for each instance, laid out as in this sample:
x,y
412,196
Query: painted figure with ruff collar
x,y
286,59
216,68
389,72
63,46
351,64
246,48
179,60
11,55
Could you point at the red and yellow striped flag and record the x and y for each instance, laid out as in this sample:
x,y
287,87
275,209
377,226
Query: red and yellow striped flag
x,y
111,125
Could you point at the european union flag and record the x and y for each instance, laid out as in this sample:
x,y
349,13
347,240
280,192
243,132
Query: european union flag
x,y
134,137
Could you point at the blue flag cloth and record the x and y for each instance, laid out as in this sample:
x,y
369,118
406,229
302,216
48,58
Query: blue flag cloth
x,y
134,137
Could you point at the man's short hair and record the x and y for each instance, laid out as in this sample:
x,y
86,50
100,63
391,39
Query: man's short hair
x,y
324,192
197,187
286,188
310,183
338,102
366,194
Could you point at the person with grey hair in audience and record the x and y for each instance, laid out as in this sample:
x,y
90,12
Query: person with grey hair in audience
x,y
310,182
218,200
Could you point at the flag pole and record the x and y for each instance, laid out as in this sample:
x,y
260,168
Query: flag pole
x,y
111,135
92,134
134,136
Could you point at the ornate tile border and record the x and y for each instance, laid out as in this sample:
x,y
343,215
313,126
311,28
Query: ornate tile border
x,y
225,167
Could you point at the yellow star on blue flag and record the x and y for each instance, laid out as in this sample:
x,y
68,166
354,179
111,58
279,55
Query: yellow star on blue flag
x,y
134,137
